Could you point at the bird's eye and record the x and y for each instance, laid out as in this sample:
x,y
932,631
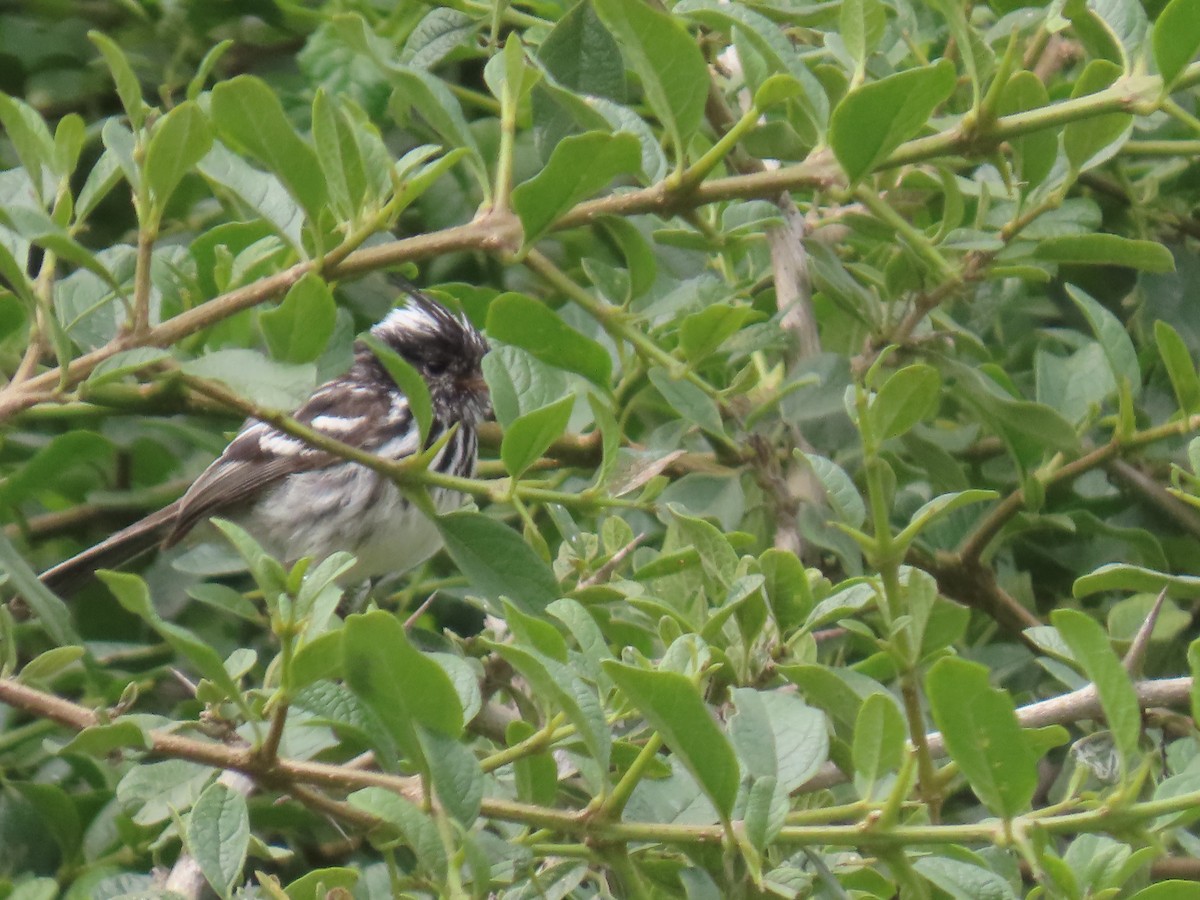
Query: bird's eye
x,y
436,367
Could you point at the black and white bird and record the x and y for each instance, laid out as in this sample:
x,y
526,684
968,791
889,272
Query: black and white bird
x,y
297,500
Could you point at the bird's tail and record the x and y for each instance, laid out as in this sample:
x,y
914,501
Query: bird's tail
x,y
70,575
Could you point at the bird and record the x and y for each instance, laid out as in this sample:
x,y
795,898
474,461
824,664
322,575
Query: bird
x,y
299,501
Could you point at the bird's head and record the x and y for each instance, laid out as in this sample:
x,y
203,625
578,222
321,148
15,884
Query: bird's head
x,y
447,350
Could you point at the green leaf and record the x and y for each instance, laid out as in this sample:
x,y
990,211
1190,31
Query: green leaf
x,y
1106,250
155,792
299,328
129,89
35,226
267,571
861,25
588,636
964,881
508,74
101,740
403,687
767,39
131,592
855,597
408,379
876,118
207,64
54,458
775,90
260,191
318,659
434,102
416,176
56,809
536,632
119,142
248,114
339,156
415,826
51,611
497,562
906,398
668,564
764,815
967,42
1125,577
1114,339
940,506
1176,38
717,556
1092,650
582,55
672,705
703,332
557,686
1094,140
457,777
1173,889
666,58
524,322
982,735
840,491
528,437
69,136
1193,658
30,138
579,167
318,884
125,363
1077,385
275,385
43,667
1029,429
534,775
878,749
777,734
520,383
439,33
786,587
689,401
1180,368
1034,153
1127,617
179,141
641,264
335,704
218,836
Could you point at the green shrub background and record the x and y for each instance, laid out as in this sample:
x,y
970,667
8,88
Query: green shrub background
x,y
843,369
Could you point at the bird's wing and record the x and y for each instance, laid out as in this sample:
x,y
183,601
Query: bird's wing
x,y
261,454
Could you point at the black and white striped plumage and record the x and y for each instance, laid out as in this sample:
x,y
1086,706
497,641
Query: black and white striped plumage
x,y
300,501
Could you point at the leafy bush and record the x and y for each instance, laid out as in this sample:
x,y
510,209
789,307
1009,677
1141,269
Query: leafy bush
x,y
821,528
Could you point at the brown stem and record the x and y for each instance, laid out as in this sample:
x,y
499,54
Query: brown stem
x,y
287,774
975,543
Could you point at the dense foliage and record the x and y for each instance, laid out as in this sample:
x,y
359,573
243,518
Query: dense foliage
x,y
843,369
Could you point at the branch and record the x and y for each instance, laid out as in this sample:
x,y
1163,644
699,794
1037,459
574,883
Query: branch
x,y
975,543
1081,705
479,234
501,233
285,774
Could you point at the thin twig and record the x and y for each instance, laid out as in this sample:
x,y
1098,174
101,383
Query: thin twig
x,y
603,573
